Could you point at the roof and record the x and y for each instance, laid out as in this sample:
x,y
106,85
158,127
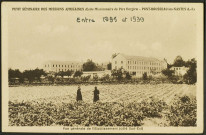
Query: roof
x,y
139,58
63,62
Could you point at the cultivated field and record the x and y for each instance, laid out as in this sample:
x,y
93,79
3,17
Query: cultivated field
x,y
120,105
108,93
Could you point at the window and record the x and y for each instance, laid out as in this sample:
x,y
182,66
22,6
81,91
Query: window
x,y
48,65
115,62
65,65
59,66
45,65
121,62
62,65
128,67
128,62
56,65
53,65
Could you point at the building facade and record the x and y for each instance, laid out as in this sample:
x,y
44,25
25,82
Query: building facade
x,y
179,71
137,65
57,66
97,73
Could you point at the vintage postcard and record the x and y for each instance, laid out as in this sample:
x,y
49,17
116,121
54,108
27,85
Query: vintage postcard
x,y
75,67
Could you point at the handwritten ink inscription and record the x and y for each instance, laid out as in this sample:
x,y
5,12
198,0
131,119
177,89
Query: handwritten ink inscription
x,y
110,19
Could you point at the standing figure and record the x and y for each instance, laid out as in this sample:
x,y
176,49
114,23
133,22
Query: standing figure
x,y
79,94
96,94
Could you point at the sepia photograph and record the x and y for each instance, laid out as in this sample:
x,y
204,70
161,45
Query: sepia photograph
x,y
109,67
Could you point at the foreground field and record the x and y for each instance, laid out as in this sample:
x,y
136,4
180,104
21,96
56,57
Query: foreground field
x,y
119,105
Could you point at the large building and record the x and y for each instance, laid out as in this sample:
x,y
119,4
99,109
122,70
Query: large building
x,y
56,66
137,65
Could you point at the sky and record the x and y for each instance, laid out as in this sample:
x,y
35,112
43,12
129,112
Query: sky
x,y
36,37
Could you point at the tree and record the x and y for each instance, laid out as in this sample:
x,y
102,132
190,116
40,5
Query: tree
x,y
105,77
153,71
85,78
144,76
65,73
118,74
78,74
89,66
32,75
167,72
99,68
109,66
15,74
68,73
191,76
95,77
128,76
51,79
178,62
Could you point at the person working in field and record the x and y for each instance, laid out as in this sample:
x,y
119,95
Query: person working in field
x,y
96,94
79,94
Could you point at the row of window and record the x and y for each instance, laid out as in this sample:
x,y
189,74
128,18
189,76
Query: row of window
x,y
142,68
140,62
135,67
177,68
77,66
66,70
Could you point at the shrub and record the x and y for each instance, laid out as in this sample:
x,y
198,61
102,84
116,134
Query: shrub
x,y
152,107
81,113
183,112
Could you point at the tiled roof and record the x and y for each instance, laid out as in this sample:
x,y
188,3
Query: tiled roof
x,y
139,58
